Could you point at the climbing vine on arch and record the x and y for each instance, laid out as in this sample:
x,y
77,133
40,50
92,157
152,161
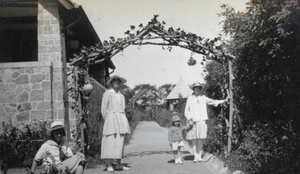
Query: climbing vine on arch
x,y
154,33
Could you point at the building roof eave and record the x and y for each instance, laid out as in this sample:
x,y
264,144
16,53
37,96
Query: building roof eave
x,y
68,4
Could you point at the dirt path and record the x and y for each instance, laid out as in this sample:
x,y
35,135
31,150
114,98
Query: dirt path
x,y
148,152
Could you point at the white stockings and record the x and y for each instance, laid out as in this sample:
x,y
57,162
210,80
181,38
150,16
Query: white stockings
x,y
198,149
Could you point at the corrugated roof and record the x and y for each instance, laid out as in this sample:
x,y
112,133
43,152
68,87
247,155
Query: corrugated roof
x,y
181,90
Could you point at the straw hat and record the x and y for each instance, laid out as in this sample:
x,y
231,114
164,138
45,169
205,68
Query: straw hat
x,y
122,80
175,117
196,84
174,113
55,126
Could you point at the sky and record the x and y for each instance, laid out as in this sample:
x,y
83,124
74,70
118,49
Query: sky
x,y
151,64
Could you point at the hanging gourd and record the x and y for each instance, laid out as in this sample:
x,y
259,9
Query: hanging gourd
x,y
191,61
87,88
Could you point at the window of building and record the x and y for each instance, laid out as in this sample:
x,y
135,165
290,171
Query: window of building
x,y
18,31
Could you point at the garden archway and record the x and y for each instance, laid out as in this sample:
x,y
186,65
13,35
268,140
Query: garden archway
x,y
154,33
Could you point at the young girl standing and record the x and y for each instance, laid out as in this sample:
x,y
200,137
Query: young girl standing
x,y
175,137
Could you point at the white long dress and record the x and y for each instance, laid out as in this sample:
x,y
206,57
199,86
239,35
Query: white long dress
x,y
115,125
196,111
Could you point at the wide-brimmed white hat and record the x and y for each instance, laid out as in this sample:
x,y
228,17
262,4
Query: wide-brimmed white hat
x,y
55,126
196,84
122,80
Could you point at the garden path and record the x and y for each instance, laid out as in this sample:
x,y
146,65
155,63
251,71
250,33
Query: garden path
x,y
148,152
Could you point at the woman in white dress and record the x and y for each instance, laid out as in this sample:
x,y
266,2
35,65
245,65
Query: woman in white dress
x,y
196,114
115,125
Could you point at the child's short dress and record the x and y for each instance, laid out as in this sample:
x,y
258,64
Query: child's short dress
x,y
175,137
176,145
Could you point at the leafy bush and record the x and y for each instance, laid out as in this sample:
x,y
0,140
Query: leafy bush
x,y
134,117
21,142
163,117
93,155
266,148
266,96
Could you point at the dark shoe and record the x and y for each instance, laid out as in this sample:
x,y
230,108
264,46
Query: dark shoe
x,y
122,168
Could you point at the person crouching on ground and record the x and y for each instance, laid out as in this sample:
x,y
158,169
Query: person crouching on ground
x,y
175,137
56,152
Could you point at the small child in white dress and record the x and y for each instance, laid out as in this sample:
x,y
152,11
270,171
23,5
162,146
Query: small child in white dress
x,y
175,137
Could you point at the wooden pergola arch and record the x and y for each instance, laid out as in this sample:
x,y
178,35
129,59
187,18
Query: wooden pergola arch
x,y
154,33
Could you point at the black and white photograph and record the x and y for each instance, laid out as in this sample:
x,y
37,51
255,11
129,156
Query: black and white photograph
x,y
149,86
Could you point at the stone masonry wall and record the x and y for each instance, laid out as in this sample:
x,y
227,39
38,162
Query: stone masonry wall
x,y
50,48
25,92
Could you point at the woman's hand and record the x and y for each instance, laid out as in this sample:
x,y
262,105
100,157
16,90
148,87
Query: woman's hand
x,y
190,122
207,121
228,96
80,155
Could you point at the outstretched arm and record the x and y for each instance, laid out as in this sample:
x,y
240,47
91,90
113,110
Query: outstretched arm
x,y
215,102
187,126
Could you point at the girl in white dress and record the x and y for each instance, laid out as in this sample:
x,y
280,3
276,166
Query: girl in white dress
x,y
196,114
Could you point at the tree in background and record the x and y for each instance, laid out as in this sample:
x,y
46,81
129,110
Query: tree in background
x,y
148,97
216,81
265,40
151,100
164,90
128,93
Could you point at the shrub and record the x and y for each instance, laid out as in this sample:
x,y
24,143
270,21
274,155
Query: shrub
x,y
21,142
93,155
259,148
134,117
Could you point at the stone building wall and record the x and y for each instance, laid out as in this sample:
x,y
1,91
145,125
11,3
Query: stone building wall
x,y
38,90
25,92
50,49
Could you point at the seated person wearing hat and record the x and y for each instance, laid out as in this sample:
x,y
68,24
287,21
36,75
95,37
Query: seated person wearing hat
x,y
57,155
